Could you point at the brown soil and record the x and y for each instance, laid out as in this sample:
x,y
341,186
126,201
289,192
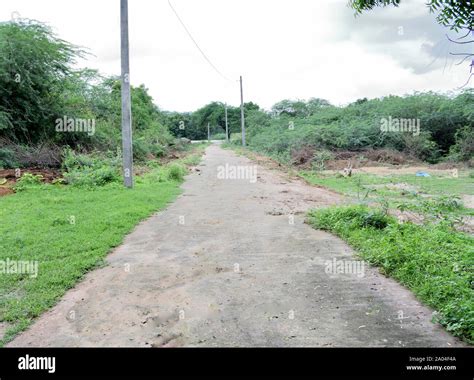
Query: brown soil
x,y
49,175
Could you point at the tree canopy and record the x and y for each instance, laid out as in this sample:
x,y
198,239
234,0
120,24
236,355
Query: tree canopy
x,y
456,15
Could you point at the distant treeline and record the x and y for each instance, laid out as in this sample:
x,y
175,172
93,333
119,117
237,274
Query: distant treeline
x,y
426,126
47,105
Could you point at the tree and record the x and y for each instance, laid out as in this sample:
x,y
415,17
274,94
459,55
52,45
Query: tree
x,y
34,66
456,15
294,108
299,108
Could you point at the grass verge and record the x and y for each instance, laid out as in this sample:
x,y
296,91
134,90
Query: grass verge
x,y
68,231
432,260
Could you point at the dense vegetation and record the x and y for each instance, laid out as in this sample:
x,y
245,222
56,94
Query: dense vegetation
x,y
39,88
193,125
446,127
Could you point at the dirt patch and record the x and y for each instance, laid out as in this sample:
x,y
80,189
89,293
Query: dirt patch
x,y
3,328
399,170
404,187
49,175
303,157
5,190
10,175
172,156
468,201
407,216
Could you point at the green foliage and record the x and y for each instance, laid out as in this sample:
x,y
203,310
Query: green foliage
x,y
36,224
176,172
28,181
7,159
356,216
39,87
445,207
33,66
455,14
433,260
463,149
90,170
320,158
236,138
194,125
357,126
299,108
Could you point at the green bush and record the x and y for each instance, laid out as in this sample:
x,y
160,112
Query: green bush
x,y
90,170
446,126
236,138
176,172
27,181
463,149
7,159
320,158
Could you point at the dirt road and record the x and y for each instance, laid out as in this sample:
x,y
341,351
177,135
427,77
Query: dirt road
x,y
231,263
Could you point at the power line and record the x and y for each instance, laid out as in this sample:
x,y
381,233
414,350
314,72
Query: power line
x,y
195,43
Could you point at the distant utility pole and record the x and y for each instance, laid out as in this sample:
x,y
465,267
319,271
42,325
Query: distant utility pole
x,y
242,118
208,133
126,107
226,125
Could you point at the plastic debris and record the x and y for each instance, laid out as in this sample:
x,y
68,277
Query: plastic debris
x,y
422,174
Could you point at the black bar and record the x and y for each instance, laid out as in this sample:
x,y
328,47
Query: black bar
x,y
225,362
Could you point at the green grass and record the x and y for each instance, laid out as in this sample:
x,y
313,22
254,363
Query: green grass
x,y
36,226
429,185
434,261
370,187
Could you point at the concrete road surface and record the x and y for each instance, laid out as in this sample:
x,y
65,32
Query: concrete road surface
x,y
231,263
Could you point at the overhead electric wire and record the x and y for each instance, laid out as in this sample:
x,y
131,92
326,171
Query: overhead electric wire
x,y
196,44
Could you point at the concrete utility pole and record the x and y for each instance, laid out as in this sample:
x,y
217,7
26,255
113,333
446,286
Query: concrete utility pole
x,y
126,107
226,125
242,118
208,133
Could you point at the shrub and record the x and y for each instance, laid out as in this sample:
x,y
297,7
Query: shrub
x,y
463,149
236,138
28,181
176,172
90,170
7,159
320,158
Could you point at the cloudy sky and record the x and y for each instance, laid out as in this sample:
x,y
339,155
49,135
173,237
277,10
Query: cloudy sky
x,y
293,49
